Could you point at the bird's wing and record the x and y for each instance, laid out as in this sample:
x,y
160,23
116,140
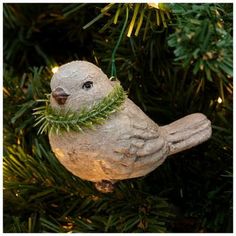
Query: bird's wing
x,y
145,145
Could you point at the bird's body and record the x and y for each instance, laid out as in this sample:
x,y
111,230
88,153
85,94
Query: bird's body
x,y
111,152
129,144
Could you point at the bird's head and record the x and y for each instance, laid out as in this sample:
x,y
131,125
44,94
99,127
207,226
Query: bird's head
x,y
78,84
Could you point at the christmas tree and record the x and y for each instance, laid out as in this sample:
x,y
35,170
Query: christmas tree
x,y
173,60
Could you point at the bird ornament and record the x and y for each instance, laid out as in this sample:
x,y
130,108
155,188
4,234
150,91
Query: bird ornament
x,y
100,135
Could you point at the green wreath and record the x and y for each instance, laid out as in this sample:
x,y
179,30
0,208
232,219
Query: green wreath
x,y
57,121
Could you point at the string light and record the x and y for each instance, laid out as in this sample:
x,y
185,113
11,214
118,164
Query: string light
x,y
69,226
55,69
219,100
154,5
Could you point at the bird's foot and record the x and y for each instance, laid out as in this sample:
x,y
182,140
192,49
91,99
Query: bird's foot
x,y
105,186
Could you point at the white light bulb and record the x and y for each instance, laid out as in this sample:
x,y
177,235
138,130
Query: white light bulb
x,y
55,69
155,5
219,100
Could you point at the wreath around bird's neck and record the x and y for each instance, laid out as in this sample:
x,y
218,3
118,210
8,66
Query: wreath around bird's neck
x,y
52,120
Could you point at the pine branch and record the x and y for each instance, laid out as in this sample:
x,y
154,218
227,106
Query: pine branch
x,y
202,43
138,16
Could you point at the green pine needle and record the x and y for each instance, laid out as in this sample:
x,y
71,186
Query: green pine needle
x,y
57,121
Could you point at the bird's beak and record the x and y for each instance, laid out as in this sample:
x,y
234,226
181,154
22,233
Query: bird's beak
x,y
60,95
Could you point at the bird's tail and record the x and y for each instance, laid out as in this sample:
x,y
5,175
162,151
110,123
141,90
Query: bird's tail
x,y
187,132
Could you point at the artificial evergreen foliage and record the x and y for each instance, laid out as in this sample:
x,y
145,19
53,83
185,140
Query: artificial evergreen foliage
x,y
173,60
53,120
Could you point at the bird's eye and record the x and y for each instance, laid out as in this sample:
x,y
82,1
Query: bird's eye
x,y
87,85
